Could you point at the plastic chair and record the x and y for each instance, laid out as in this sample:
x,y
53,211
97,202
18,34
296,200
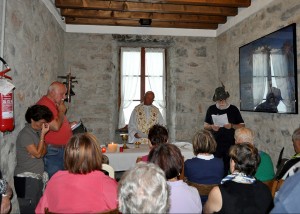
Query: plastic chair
x,y
109,169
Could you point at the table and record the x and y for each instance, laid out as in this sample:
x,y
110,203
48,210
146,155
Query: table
x,y
122,161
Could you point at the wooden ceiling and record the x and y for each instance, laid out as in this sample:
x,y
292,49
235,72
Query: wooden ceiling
x,y
191,14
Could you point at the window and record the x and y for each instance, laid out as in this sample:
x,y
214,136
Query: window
x,y
271,73
142,70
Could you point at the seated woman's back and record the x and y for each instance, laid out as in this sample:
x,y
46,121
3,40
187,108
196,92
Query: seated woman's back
x,y
204,168
241,192
204,171
80,193
183,198
245,198
82,187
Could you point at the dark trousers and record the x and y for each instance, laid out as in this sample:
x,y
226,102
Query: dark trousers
x,y
29,191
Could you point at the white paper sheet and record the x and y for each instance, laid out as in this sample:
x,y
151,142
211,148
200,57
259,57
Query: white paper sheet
x,y
220,120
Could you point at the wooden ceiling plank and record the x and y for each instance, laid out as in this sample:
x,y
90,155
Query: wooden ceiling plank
x,y
141,15
137,24
149,7
226,3
221,3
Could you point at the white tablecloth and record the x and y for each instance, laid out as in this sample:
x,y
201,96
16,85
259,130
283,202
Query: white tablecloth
x,y
122,161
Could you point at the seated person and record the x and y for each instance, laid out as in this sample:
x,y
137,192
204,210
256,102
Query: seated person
x,y
157,134
272,101
183,198
82,187
30,149
142,118
287,198
5,196
290,166
265,170
240,192
143,189
204,168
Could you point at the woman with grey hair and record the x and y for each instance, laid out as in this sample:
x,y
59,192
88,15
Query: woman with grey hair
x,y
240,192
143,189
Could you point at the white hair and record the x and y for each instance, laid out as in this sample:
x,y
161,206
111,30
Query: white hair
x,y
244,135
143,189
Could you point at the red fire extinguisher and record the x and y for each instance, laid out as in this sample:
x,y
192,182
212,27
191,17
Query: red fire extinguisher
x,y
6,105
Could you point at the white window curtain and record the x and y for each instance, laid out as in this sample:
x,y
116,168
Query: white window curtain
x,y
155,78
260,66
130,81
279,66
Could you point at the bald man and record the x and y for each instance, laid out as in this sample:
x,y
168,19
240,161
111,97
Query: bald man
x,y
265,170
142,118
60,129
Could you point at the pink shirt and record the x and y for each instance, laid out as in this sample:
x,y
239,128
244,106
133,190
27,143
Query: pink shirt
x,y
62,136
79,193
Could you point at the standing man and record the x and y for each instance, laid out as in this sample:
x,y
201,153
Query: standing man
x,y
60,129
142,118
223,130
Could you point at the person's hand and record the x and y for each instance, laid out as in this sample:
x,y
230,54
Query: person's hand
x,y
62,107
5,204
227,126
140,135
45,129
215,127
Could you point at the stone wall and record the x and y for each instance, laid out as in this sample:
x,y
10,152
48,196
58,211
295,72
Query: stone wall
x,y
273,131
94,60
34,51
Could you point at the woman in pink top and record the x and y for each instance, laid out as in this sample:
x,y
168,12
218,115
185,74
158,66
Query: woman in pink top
x,y
82,187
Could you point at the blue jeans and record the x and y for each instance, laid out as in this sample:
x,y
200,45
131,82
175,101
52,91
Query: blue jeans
x,y
54,160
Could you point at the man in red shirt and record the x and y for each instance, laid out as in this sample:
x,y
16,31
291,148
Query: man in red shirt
x,y
60,129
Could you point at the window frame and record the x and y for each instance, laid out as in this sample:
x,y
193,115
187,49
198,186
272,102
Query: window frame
x,y
143,75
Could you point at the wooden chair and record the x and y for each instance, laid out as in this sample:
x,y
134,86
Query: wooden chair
x,y
203,189
109,169
114,211
274,185
47,211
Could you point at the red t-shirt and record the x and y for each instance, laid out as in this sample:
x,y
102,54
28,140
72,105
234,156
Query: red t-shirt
x,y
63,135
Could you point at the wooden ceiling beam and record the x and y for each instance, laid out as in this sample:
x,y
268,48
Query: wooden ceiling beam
x,y
146,7
220,3
101,14
135,23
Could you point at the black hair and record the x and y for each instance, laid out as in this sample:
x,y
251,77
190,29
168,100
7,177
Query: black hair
x,y
158,134
38,112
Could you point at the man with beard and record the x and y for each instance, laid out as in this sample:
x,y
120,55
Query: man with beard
x,y
223,130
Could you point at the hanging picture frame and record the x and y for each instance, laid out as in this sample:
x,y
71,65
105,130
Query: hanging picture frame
x,y
268,73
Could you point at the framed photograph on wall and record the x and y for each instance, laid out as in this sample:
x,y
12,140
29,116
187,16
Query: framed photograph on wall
x,y
268,73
